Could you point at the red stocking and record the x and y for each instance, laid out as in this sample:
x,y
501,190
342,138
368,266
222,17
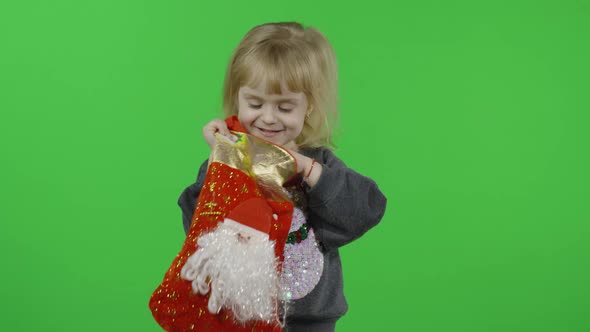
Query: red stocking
x,y
233,177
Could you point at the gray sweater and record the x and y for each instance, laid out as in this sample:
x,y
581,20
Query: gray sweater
x,y
342,206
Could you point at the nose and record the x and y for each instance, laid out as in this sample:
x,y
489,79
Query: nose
x,y
268,115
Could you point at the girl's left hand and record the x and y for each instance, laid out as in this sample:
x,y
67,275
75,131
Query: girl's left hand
x,y
303,162
308,168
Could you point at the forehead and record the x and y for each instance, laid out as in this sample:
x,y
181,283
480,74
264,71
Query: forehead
x,y
261,92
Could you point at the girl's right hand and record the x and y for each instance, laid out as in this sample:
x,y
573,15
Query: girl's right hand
x,y
216,126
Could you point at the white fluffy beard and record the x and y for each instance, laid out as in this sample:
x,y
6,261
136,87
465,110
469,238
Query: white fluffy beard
x,y
241,272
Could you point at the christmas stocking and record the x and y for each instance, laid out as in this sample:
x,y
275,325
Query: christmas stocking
x,y
226,276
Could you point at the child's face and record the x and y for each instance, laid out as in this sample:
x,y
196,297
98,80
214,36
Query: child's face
x,y
277,118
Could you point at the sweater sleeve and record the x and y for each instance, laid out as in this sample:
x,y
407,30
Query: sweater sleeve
x,y
188,198
343,204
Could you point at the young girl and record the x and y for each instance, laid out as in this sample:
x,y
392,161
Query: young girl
x,y
281,85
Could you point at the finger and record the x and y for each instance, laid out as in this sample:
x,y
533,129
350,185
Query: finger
x,y
214,126
232,137
223,129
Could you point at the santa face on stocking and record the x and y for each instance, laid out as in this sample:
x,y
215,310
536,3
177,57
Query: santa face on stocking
x,y
237,265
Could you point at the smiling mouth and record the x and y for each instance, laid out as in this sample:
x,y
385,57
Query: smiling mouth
x,y
268,133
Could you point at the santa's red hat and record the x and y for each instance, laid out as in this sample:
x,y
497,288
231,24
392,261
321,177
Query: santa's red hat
x,y
254,213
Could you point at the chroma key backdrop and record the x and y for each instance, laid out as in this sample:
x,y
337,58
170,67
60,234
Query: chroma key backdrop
x,y
472,116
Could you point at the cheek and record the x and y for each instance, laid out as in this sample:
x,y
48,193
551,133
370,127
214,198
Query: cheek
x,y
296,123
245,117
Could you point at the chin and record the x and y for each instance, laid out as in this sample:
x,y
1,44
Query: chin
x,y
280,143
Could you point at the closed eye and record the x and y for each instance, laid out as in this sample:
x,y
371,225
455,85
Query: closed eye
x,y
254,106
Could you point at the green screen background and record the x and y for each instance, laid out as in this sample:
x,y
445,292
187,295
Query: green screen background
x,y
471,116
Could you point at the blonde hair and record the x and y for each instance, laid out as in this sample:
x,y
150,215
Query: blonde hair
x,y
302,58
